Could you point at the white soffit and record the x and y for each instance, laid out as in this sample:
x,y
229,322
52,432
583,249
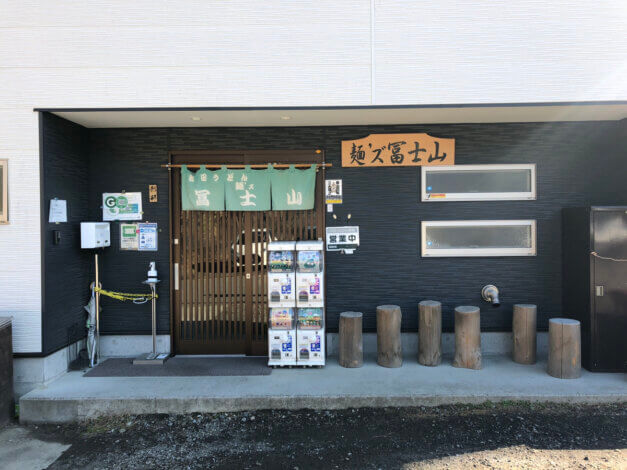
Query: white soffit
x,y
290,117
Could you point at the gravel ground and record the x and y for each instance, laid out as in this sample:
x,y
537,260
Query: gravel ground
x,y
509,435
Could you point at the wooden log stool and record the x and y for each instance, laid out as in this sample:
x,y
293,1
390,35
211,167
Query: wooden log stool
x,y
389,351
467,337
351,341
429,333
524,333
564,348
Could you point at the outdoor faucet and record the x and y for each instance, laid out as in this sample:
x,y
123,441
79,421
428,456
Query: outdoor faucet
x,y
490,293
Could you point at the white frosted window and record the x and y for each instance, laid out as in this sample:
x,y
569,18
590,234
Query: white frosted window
x,y
478,182
479,238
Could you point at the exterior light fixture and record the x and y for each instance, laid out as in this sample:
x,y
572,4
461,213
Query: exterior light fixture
x,y
286,118
195,118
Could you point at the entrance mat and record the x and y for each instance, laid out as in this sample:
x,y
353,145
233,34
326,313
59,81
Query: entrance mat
x,y
181,366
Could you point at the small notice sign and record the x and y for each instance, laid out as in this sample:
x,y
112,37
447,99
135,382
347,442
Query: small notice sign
x,y
398,150
333,191
147,237
129,237
58,211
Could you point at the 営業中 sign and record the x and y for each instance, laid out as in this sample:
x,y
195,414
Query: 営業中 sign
x,y
342,238
398,150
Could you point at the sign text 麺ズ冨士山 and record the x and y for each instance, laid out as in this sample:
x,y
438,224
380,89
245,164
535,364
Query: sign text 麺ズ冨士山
x,y
398,150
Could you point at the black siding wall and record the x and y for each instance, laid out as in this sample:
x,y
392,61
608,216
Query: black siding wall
x,y
65,266
578,164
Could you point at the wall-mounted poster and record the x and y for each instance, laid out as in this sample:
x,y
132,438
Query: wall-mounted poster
x,y
129,237
398,150
121,206
147,237
333,191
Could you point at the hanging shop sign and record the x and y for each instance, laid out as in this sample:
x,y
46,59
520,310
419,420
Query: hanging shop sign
x,y
202,190
129,236
248,189
147,237
344,239
293,189
333,191
398,150
121,206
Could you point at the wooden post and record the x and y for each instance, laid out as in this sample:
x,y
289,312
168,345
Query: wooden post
x,y
564,348
524,333
467,337
351,344
389,351
429,333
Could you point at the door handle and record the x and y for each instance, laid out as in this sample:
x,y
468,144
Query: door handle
x,y
176,276
599,291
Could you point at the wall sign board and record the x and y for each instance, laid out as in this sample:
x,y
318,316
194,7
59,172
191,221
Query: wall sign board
x,y
398,150
121,206
342,238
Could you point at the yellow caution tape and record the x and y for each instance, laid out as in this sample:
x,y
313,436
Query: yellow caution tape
x,y
123,296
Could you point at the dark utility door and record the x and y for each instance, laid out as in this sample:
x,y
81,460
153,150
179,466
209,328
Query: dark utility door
x,y
609,321
219,294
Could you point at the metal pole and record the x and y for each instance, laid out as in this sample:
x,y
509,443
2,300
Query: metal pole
x,y
97,311
234,166
154,321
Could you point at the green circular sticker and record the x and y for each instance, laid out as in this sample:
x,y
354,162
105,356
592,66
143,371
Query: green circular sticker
x,y
110,202
122,202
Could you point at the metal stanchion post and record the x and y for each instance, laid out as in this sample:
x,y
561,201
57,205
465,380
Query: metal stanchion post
x,y
97,301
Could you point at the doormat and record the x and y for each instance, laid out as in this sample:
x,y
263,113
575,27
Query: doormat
x,y
181,366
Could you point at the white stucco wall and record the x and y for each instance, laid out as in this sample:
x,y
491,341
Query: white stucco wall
x,y
151,53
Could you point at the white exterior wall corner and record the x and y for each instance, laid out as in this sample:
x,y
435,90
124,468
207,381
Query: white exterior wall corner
x,y
191,53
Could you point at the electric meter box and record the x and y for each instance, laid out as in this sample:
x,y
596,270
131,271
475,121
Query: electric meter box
x,y
95,234
282,337
310,274
281,276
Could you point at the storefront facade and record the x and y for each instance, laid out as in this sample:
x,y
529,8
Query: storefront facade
x,y
99,117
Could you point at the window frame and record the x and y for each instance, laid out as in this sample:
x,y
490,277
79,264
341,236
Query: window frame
x,y
4,209
475,252
507,196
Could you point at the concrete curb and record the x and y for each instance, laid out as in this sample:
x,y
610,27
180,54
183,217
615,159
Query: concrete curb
x,y
38,410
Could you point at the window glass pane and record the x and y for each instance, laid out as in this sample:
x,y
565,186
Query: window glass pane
x,y
479,181
488,236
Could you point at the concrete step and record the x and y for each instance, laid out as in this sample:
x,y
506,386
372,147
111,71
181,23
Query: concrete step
x,y
74,397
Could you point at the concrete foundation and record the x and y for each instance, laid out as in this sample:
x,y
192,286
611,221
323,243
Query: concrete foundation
x,y
74,397
34,372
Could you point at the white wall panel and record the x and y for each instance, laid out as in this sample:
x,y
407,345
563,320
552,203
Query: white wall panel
x,y
195,86
499,52
20,273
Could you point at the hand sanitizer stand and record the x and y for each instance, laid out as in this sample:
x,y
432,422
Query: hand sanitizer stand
x,y
152,358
